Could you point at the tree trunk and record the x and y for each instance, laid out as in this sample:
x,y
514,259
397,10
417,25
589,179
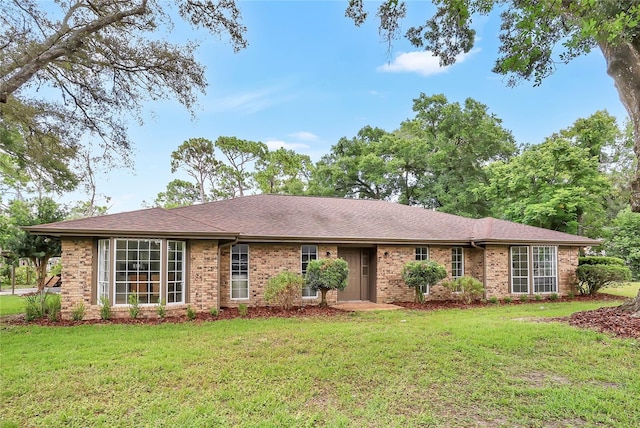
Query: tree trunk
x,y
631,306
623,65
323,301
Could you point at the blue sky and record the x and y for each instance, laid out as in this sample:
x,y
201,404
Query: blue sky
x,y
309,77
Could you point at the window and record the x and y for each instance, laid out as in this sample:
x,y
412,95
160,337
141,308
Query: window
x,y
540,263
457,262
309,252
139,269
544,270
240,271
422,253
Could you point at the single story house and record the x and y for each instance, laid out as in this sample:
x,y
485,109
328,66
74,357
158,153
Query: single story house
x,y
221,254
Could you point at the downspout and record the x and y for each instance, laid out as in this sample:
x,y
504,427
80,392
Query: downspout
x,y
235,241
484,265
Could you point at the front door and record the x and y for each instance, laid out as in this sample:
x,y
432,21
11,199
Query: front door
x,y
357,285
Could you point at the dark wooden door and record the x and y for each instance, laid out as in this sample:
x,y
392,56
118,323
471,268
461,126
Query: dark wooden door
x,y
357,285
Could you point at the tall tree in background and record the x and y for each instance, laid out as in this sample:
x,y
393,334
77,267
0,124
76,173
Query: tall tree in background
x,y
282,171
197,158
240,154
179,193
535,36
104,59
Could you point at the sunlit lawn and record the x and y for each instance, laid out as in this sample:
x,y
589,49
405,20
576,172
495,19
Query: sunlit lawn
x,y
10,305
627,290
493,366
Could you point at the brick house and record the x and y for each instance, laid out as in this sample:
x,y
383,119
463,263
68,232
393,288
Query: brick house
x,y
221,254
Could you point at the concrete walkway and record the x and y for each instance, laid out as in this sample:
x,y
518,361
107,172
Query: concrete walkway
x,y
361,306
21,291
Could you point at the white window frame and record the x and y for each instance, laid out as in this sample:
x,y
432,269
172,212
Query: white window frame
x,y
106,273
512,270
422,253
244,279
303,270
127,292
457,265
182,271
536,269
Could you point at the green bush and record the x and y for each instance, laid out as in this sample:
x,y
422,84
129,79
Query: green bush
x,y
191,313
493,300
593,277
420,275
508,300
283,289
538,297
243,310
105,308
78,312
524,298
35,306
553,297
214,312
470,289
161,310
25,275
134,305
600,260
54,306
325,275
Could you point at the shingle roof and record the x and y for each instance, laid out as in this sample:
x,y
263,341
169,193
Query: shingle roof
x,y
281,218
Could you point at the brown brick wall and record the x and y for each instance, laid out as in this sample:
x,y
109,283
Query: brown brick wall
x,y
77,276
203,275
567,264
265,261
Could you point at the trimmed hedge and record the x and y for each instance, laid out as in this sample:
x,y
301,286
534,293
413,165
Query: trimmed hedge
x,y
593,277
600,260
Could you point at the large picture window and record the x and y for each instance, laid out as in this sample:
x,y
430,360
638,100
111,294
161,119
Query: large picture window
x,y
140,269
534,269
240,271
309,252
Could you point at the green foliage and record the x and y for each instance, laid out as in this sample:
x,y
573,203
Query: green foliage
x,y
214,312
161,310
243,310
600,260
593,277
178,193
54,306
327,274
508,300
191,313
283,289
35,306
420,275
553,297
78,312
56,269
25,275
105,308
282,171
493,300
134,305
623,240
197,158
235,178
538,297
470,288
524,298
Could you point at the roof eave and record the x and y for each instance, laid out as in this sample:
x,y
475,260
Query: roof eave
x,y
589,242
99,233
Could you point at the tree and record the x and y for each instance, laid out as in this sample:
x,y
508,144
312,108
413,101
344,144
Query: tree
x,y
554,185
623,240
535,35
37,248
282,171
421,275
197,158
325,275
240,154
179,193
105,59
595,273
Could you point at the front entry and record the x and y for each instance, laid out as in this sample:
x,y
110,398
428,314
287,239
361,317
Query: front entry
x,y
358,281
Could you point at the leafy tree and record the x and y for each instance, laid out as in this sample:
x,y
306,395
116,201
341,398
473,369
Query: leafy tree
x,y
38,249
282,171
534,37
623,240
240,154
325,275
595,273
460,142
421,275
105,59
179,193
197,158
551,185
284,288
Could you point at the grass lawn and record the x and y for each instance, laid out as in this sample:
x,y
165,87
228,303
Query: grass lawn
x,y
11,305
494,366
628,290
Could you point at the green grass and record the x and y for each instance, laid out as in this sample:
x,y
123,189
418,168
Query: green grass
x,y
494,366
628,290
11,305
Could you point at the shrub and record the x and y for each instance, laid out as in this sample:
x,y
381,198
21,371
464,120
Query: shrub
x,y
469,288
54,306
105,308
422,274
214,312
537,297
571,295
35,306
134,305
191,313
283,289
243,310
161,310
493,299
325,275
553,296
78,312
523,298
594,273
508,300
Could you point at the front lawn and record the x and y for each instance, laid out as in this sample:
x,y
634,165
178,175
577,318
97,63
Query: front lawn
x,y
628,290
493,366
11,305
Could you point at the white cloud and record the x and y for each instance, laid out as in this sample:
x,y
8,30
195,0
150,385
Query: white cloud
x,y
421,62
304,136
276,144
252,101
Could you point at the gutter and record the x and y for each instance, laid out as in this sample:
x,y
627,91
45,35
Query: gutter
x,y
484,265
